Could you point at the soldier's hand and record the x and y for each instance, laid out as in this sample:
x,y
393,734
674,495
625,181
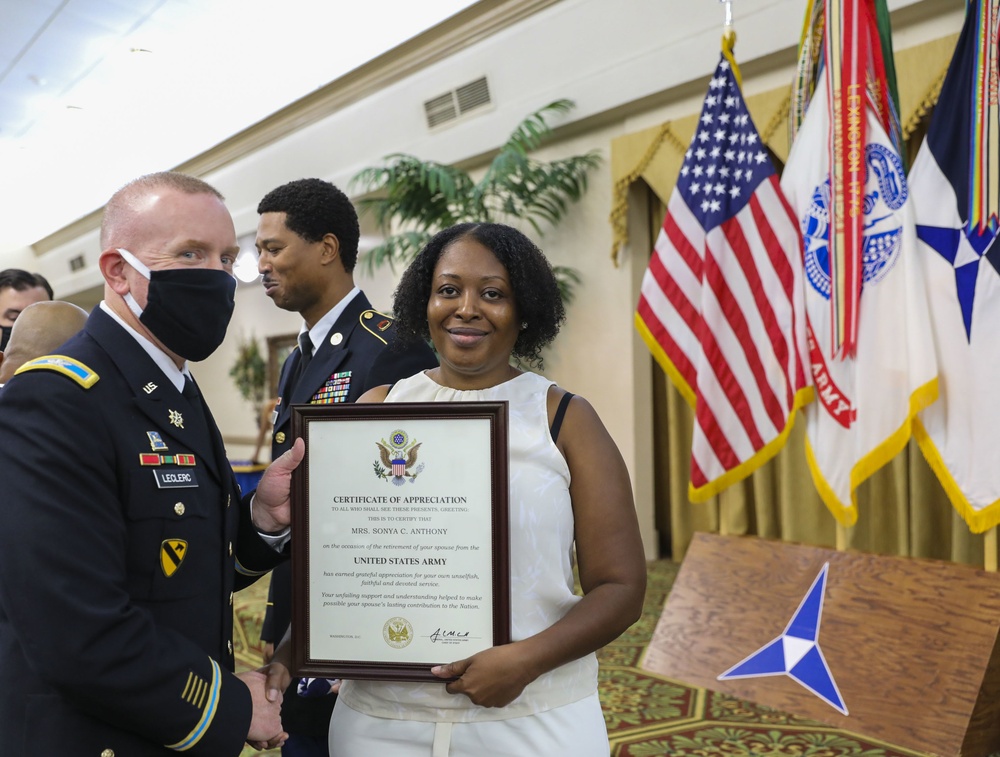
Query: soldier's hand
x,y
272,502
265,725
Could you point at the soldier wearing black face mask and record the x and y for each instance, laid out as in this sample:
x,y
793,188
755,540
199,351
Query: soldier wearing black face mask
x,y
18,289
116,585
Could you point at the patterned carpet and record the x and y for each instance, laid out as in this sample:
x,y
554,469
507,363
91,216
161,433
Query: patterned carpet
x,y
649,715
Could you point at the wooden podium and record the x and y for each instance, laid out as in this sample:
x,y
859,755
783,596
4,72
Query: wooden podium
x,y
911,644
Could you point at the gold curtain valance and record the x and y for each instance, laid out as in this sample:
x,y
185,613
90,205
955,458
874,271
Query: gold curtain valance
x,y
655,154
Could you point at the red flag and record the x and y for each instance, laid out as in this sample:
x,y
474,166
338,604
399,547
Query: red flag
x,y
721,306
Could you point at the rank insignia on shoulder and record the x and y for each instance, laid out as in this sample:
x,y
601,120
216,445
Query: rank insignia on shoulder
x,y
172,554
384,322
67,366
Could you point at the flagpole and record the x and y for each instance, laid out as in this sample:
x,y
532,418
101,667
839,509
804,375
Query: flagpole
x,y
729,13
990,550
841,537
728,28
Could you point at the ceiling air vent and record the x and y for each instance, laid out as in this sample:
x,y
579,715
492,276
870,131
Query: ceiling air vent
x,y
459,101
77,263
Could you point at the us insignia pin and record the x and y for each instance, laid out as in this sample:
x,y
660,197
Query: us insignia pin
x,y
172,554
149,388
156,442
176,419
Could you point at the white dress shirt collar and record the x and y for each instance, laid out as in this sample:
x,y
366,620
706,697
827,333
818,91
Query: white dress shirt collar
x,y
318,332
163,361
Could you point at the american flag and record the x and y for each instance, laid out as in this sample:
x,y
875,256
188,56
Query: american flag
x,y
721,304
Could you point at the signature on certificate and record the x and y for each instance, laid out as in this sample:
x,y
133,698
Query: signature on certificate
x,y
446,635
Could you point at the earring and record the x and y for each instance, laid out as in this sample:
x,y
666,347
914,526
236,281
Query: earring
x,y
524,325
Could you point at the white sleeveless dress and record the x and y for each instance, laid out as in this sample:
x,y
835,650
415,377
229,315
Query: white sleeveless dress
x,y
541,542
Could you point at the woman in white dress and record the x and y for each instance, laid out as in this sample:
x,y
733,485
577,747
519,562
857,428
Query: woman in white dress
x,y
484,293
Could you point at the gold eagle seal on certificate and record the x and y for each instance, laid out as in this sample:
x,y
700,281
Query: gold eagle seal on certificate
x,y
399,456
397,632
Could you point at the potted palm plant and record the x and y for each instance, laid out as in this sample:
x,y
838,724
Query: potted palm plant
x,y
412,199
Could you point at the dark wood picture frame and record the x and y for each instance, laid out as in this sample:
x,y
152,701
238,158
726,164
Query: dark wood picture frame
x,y
278,349
304,661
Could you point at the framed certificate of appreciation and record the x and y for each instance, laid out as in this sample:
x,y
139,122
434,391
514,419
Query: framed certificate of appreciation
x,y
400,556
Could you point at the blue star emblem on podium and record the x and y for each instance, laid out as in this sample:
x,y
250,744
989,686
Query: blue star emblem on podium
x,y
796,653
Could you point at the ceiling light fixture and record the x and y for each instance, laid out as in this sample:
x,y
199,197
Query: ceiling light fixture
x,y
245,266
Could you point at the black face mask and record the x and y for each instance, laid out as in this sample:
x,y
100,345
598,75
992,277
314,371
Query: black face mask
x,y
189,309
5,336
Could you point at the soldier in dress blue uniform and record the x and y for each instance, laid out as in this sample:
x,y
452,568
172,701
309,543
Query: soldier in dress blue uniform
x,y
307,238
127,535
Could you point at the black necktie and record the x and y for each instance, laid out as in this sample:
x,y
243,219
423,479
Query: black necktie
x,y
305,355
190,391
202,423
193,396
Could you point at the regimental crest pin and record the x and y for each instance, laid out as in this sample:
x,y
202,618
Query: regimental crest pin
x,y
172,554
156,442
397,461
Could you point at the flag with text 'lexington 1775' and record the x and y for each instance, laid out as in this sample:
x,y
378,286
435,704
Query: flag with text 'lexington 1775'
x,y
865,401
954,181
721,304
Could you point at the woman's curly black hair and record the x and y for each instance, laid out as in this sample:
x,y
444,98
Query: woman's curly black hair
x,y
536,293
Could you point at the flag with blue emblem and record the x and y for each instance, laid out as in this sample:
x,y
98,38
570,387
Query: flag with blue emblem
x,y
721,305
865,400
954,182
